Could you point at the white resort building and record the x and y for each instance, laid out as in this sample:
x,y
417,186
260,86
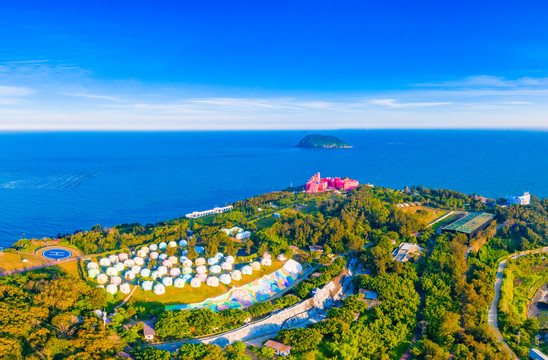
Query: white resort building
x,y
525,199
216,210
243,235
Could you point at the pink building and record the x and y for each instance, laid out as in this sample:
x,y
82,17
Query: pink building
x,y
317,184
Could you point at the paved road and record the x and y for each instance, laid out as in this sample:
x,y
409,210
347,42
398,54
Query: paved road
x,y
493,308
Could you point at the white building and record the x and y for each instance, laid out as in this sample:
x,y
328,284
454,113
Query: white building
x,y
243,235
407,251
216,210
525,199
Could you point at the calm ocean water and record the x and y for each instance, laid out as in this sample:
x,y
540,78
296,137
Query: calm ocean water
x,y
61,182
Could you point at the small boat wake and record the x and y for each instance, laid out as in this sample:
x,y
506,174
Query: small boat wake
x,y
52,182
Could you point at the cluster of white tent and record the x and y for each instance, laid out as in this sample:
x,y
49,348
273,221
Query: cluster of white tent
x,y
170,270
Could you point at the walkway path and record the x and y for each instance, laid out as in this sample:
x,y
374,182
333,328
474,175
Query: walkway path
x,y
493,308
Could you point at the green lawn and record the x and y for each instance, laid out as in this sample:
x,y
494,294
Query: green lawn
x,y
11,260
448,220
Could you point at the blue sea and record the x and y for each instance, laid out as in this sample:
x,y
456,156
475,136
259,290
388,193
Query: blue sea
x,y
54,183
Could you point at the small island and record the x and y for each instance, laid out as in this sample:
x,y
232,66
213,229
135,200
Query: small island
x,y
323,142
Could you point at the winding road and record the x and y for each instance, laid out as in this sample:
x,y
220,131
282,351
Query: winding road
x,y
493,308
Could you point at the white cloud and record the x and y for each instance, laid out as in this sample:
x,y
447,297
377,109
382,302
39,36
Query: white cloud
x,y
393,103
487,81
92,96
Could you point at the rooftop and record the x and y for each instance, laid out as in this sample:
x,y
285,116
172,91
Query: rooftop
x,y
470,222
277,346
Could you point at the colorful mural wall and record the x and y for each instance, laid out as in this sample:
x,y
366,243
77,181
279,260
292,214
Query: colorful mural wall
x,y
246,295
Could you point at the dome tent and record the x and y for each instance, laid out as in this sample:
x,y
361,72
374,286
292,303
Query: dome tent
x,y
105,262
129,275
173,259
102,279
187,270
162,257
172,244
136,269
195,283
155,275
225,279
153,247
162,270
92,273
267,255
179,283
145,272
201,277
111,288
145,249
226,266
119,266
147,285
162,245
116,280
212,261
129,263
281,257
256,266
142,253
199,249
159,289
138,260
167,263
215,269
111,271
175,272
154,255
247,270
236,275
200,261
113,259
92,265
187,262
167,281
212,281
219,255
125,288
122,256
186,277
183,243
266,262
201,269
230,259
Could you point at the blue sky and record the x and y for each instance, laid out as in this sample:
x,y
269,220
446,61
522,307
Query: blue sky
x,y
273,64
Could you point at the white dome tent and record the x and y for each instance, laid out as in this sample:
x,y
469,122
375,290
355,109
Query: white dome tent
x,y
266,262
172,244
111,271
147,285
153,247
201,269
173,259
281,257
175,272
105,262
247,270
113,259
138,260
116,280
212,261
92,273
200,261
187,270
226,266
195,283
236,275
136,269
102,279
183,243
179,283
155,275
256,266
212,281
201,277
167,263
122,257
119,266
162,245
219,255
267,255
167,281
162,270
125,288
154,255
92,265
187,262
142,253
111,288
230,259
159,289
129,275
225,279
215,269
145,272
129,263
